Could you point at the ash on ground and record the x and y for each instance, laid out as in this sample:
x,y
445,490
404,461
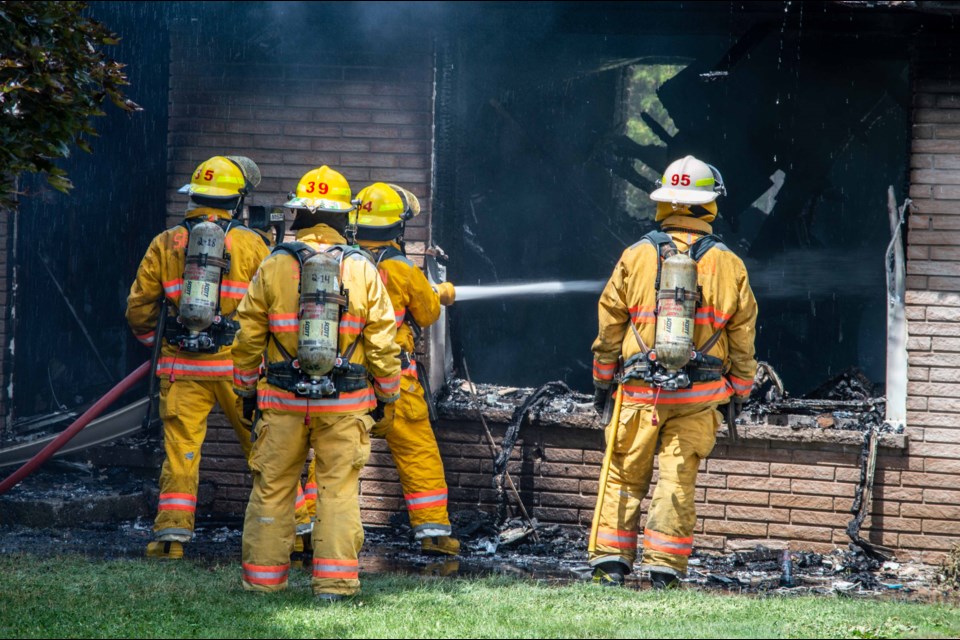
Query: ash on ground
x,y
510,550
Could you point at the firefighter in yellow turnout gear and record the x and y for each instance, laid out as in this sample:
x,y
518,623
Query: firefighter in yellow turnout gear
x,y
195,367
329,412
382,211
668,414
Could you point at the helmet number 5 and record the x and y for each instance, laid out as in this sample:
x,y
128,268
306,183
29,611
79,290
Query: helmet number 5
x,y
680,179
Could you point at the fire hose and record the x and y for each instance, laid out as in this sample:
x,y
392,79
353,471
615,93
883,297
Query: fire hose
x,y
88,416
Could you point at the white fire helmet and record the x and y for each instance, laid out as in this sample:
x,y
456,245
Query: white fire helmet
x,y
689,181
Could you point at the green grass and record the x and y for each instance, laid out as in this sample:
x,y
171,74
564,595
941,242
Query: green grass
x,y
77,597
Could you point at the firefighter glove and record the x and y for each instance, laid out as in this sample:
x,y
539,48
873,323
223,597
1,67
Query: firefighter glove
x,y
249,407
384,422
600,399
447,293
377,414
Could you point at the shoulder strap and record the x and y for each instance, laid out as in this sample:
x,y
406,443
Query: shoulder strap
x,y
664,245
388,253
299,250
700,248
348,250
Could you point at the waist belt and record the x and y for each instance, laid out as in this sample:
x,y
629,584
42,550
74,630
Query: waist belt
x,y
343,378
218,335
701,368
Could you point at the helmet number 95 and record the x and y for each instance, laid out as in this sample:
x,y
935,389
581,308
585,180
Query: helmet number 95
x,y
321,187
680,179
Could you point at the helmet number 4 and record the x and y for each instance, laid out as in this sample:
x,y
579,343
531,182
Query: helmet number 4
x,y
322,187
680,179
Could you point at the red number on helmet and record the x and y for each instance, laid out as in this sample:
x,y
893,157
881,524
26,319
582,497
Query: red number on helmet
x,y
675,179
323,188
196,176
310,186
368,206
208,175
685,180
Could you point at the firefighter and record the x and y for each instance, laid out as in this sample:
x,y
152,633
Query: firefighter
x,y
668,411
288,316
382,211
202,290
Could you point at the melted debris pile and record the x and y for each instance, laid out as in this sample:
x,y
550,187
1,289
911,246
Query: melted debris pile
x,y
852,384
850,572
848,401
457,400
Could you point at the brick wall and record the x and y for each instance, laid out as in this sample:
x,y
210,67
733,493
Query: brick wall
x,y
933,296
370,121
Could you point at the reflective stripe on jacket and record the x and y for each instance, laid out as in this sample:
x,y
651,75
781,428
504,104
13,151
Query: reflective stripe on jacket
x,y
271,306
728,305
161,274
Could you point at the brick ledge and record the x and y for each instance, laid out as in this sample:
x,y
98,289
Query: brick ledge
x,y
753,432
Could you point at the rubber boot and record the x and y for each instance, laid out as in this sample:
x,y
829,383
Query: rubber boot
x,y
663,580
166,550
608,574
440,546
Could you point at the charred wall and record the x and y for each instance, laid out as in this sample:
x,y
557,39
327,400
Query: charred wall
x,y
807,149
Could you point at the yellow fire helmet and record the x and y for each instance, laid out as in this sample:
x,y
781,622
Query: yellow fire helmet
x,y
382,209
223,177
322,189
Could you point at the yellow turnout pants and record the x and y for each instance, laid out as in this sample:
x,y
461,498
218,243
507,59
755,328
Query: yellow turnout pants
x,y
414,448
684,436
184,407
342,446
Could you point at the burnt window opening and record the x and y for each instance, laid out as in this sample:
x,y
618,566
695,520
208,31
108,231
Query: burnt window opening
x,y
647,124
553,176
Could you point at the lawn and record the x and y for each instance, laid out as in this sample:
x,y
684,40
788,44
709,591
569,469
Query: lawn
x,y
79,597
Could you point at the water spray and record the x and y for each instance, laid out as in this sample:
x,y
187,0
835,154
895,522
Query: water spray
x,y
547,288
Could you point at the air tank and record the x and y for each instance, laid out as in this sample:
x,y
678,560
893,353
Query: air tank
x,y
317,343
201,277
676,310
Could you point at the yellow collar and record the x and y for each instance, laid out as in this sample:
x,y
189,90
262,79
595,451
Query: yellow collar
x,y
378,244
320,234
209,213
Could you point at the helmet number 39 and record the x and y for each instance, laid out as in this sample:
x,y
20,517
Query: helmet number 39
x,y
682,180
321,187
